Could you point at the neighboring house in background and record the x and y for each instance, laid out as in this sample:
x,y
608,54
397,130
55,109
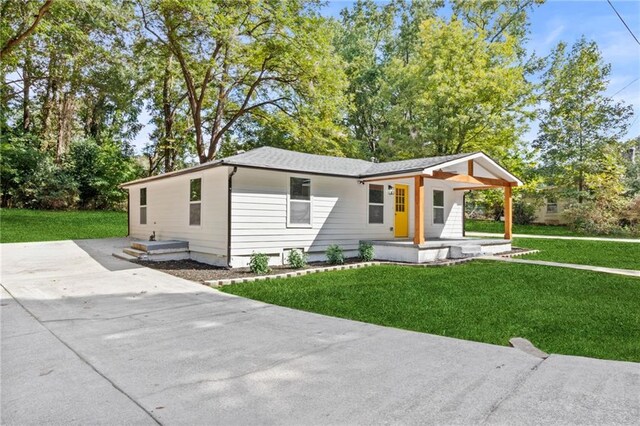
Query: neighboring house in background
x,y
271,201
551,212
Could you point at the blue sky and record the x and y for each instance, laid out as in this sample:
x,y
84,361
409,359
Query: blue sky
x,y
567,21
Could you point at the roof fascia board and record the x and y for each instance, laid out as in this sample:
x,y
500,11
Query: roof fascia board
x,y
193,169
431,169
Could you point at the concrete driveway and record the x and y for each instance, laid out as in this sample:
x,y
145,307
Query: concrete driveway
x,y
89,339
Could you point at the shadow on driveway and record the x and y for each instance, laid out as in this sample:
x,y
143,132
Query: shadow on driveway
x,y
102,252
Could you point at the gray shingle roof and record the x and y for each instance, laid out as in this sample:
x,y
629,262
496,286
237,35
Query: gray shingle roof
x,y
410,165
281,159
274,158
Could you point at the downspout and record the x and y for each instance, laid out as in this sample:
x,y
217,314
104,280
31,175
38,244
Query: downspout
x,y
230,187
128,212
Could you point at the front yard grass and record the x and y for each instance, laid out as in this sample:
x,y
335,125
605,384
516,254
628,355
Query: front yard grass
x,y
559,310
21,225
597,253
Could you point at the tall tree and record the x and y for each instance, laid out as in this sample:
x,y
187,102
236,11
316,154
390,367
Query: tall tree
x,y
580,124
371,35
247,60
460,92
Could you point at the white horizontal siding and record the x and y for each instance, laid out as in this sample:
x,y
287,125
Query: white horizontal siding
x,y
168,212
339,214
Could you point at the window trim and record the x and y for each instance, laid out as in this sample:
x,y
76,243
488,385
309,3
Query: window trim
x,y
310,201
369,204
552,204
199,225
143,206
434,207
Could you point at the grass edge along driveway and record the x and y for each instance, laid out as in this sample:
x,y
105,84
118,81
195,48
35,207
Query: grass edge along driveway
x,y
559,310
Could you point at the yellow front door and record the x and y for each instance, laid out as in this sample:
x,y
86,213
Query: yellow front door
x,y
402,211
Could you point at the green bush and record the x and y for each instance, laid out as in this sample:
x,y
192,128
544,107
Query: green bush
x,y
259,263
297,259
523,213
366,251
335,256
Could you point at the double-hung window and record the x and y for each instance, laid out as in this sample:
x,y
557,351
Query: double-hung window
x,y
438,207
552,206
195,201
299,201
143,206
376,204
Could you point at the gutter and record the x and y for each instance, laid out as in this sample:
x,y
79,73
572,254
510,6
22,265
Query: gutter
x,y
229,187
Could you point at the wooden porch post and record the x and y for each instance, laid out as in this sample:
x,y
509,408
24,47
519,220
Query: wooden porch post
x,y
418,224
508,212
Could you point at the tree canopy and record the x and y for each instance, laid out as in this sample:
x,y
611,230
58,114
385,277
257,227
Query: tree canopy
x,y
390,80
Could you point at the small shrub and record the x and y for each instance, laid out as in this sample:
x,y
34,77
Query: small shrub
x,y
297,259
366,251
259,263
335,256
523,213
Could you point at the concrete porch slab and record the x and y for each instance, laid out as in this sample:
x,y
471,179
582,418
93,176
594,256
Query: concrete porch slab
x,y
436,249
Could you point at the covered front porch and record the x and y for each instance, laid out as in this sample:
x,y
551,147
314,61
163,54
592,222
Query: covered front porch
x,y
476,172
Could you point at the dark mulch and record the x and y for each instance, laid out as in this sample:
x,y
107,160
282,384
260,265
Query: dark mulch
x,y
201,272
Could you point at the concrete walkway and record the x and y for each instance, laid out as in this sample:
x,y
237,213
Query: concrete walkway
x,y
615,271
89,339
553,237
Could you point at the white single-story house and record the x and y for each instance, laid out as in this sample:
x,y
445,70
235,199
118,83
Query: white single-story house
x,y
271,201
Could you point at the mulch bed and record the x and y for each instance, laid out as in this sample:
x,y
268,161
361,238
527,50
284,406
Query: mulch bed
x,y
201,272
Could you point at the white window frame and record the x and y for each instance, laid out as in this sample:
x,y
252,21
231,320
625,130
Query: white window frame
x,y
143,206
369,203
310,201
434,207
194,202
555,204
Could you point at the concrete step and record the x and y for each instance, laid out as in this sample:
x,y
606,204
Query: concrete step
x,y
150,247
124,256
138,254
464,251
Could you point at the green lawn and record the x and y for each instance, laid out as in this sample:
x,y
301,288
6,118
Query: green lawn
x,y
596,253
559,310
19,225
473,225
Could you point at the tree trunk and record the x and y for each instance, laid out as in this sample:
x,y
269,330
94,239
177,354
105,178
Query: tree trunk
x,y
168,112
26,93
66,108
